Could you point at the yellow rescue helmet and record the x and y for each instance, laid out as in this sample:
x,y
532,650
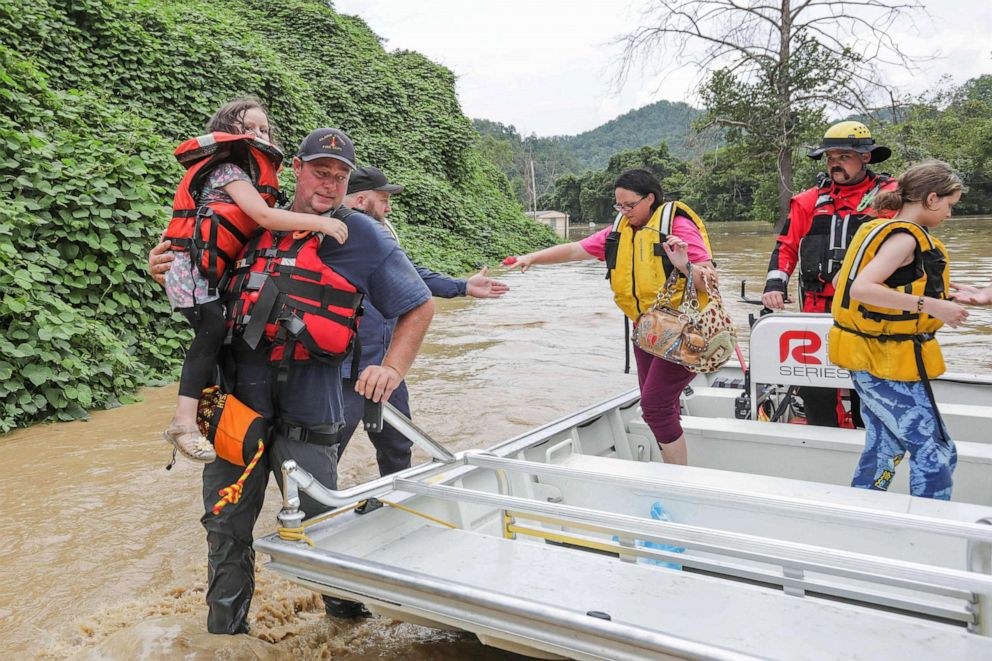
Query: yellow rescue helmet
x,y
854,136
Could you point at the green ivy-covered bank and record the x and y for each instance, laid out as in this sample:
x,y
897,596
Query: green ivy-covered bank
x,y
96,94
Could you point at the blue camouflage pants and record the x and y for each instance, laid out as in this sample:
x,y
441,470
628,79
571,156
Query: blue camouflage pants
x,y
898,419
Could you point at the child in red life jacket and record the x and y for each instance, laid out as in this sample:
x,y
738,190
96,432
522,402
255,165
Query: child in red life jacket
x,y
229,190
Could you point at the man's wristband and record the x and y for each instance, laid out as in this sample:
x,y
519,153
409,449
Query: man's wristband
x,y
780,286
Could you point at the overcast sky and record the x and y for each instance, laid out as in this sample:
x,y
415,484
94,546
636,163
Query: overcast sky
x,y
548,66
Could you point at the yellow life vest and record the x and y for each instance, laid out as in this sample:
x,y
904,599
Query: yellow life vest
x,y
641,267
887,343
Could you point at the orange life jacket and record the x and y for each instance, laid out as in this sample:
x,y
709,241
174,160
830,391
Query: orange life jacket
x,y
215,233
283,291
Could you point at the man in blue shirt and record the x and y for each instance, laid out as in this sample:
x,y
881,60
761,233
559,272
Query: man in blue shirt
x,y
307,410
369,191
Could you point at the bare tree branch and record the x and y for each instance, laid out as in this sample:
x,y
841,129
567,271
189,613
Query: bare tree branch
x,y
774,59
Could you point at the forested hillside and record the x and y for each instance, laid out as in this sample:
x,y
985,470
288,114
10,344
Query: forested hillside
x,y
662,121
96,94
556,156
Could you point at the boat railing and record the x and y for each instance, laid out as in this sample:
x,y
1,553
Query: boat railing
x,y
977,532
295,478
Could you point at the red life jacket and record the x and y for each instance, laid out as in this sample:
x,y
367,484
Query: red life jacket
x,y
216,232
835,221
283,291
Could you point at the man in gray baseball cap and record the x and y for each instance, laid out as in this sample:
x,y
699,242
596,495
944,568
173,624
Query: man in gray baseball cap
x,y
369,191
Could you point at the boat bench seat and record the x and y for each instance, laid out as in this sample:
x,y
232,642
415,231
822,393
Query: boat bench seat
x,y
805,452
966,422
711,402
694,476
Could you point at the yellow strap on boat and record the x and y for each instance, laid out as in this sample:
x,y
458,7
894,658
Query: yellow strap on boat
x,y
410,510
232,494
299,534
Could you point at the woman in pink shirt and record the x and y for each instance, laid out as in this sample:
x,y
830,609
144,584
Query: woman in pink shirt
x,y
640,257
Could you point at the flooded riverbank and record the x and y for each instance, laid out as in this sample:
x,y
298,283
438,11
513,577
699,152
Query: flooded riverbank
x,y
103,553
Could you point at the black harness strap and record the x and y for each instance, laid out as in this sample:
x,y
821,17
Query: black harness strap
x,y
313,291
626,344
918,340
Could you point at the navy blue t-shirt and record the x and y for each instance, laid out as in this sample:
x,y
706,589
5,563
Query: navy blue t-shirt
x,y
372,261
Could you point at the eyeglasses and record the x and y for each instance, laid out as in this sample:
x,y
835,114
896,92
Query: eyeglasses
x,y
624,208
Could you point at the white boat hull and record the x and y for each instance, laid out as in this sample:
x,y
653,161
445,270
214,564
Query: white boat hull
x,y
544,544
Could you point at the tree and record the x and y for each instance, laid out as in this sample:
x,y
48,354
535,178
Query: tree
x,y
953,124
589,197
775,67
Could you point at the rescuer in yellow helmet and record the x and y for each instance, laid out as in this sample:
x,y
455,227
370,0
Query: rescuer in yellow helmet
x,y
822,220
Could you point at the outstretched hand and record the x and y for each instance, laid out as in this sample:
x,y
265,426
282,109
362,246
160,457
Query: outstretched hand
x,y
522,262
971,295
949,312
481,285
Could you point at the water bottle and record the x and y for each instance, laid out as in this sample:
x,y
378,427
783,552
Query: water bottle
x,y
658,513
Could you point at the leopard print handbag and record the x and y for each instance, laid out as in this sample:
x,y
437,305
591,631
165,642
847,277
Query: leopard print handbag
x,y
699,340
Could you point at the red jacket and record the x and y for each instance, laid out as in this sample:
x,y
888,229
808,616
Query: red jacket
x,y
821,222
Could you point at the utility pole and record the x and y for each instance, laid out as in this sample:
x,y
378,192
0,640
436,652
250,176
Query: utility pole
x,y
533,189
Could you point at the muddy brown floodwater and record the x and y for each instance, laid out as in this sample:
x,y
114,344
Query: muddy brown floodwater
x,y
101,550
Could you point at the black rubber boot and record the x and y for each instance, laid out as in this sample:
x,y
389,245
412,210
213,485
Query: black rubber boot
x,y
231,583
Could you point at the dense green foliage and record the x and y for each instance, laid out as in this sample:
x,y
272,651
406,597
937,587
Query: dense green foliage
x,y
953,124
557,156
97,93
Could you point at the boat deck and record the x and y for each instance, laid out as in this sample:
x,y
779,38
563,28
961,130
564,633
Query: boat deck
x,y
552,550
699,608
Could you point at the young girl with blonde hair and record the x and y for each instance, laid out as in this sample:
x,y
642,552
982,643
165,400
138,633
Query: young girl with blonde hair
x,y
229,181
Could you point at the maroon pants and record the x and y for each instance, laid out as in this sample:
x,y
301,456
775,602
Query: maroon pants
x,y
661,384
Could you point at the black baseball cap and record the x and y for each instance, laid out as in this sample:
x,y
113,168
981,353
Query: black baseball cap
x,y
370,178
328,143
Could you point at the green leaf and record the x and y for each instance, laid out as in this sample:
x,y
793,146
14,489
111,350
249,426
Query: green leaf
x,y
37,374
14,305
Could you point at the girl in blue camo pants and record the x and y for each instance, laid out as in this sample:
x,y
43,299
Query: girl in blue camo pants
x,y
900,415
898,419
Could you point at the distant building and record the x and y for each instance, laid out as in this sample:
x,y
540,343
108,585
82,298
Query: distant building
x,y
556,220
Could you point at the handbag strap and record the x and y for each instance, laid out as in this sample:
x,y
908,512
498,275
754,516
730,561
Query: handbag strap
x,y
690,298
667,291
710,284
